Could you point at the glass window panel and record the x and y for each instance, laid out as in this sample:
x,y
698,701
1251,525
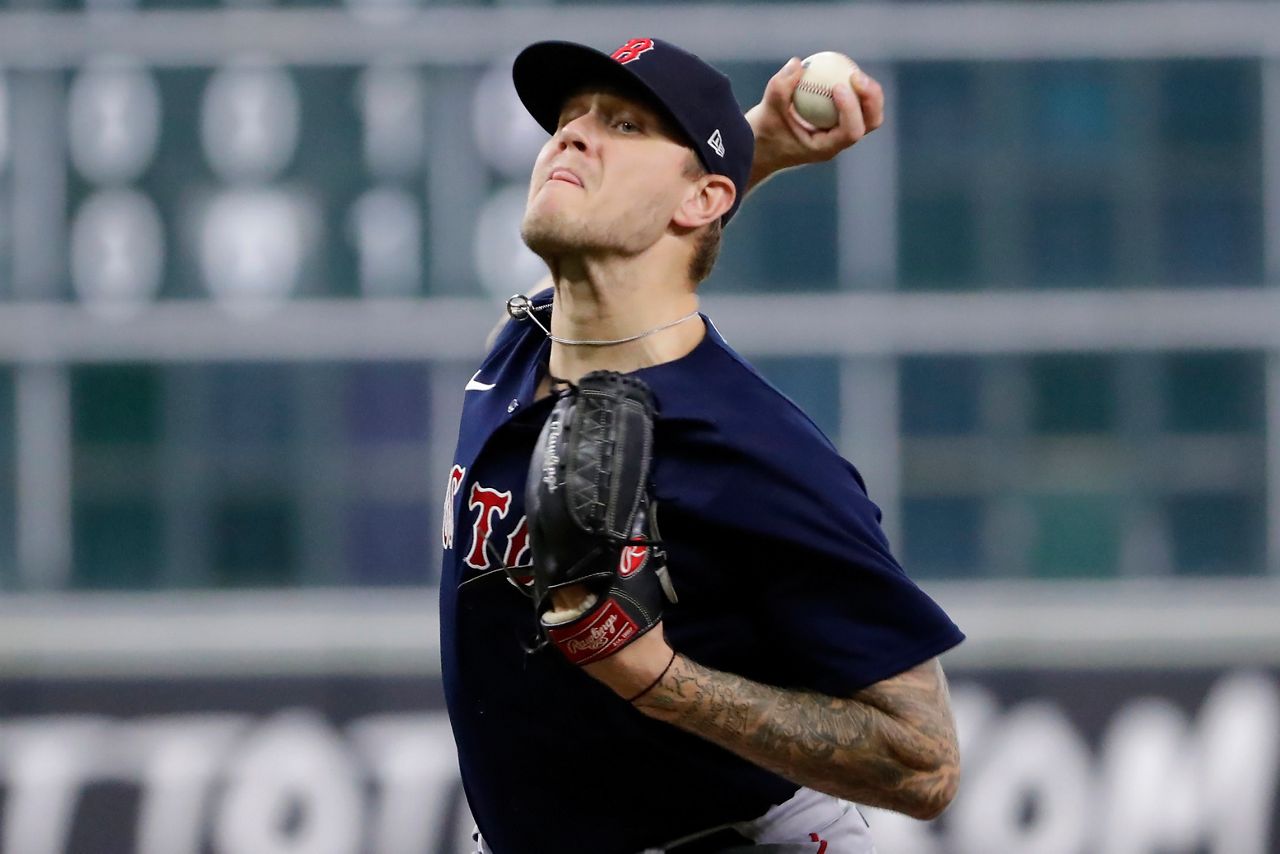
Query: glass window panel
x,y
1072,105
784,238
243,447
942,536
1215,393
1076,535
387,403
8,503
177,180
117,516
337,222
253,404
938,104
391,543
939,395
330,157
1071,241
813,383
1218,534
1212,238
937,243
116,404
116,544
6,202
255,542
1072,393
175,4
1208,102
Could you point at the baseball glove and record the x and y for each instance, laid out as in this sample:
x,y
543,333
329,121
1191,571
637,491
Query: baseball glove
x,y
591,521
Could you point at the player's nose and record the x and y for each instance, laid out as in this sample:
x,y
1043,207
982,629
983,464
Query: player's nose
x,y
577,133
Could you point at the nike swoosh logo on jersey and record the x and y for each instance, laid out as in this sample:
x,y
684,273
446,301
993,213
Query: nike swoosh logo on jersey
x,y
474,384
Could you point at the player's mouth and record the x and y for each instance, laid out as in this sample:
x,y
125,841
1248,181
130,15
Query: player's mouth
x,y
562,174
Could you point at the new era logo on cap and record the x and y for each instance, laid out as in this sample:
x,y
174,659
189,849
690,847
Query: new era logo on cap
x,y
716,143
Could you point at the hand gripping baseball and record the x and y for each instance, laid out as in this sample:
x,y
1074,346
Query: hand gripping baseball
x,y
590,518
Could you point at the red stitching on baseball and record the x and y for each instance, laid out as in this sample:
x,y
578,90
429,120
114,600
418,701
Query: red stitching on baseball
x,y
814,88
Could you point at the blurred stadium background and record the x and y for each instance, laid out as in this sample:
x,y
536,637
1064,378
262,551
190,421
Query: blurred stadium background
x,y
248,255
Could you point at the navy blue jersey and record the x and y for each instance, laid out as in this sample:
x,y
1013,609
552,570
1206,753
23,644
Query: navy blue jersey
x,y
782,572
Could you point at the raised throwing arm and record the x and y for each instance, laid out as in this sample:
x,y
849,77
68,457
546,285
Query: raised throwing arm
x,y
783,139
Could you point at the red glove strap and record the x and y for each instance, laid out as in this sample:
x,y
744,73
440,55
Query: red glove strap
x,y
598,635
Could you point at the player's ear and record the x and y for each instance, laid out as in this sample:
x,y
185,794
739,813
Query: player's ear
x,y
708,199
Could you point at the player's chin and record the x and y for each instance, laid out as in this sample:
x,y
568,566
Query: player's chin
x,y
548,232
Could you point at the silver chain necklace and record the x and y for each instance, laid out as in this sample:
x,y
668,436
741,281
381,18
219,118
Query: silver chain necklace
x,y
521,307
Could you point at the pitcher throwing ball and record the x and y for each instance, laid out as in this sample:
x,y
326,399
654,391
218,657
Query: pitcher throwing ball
x,y
670,619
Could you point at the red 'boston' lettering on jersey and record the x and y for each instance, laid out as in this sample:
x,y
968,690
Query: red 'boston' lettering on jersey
x,y
518,543
450,502
517,548
488,502
631,51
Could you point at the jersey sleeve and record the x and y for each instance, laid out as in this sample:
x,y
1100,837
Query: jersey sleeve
x,y
831,602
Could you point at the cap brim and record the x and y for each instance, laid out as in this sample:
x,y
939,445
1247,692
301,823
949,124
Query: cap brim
x,y
547,74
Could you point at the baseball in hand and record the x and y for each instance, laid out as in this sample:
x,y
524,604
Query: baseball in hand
x,y
562,611
812,98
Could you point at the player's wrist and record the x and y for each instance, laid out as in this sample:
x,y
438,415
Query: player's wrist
x,y
636,667
763,163
661,698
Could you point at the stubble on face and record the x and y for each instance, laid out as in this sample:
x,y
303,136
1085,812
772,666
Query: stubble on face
x,y
557,232
622,214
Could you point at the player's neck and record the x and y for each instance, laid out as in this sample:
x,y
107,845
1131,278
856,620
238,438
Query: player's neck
x,y
604,300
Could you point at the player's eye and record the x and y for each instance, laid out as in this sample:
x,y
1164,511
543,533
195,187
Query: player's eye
x,y
626,126
568,114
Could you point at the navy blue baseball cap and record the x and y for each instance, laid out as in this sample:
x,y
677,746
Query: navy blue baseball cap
x,y
694,96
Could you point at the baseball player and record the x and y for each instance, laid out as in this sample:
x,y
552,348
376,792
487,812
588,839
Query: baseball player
x,y
670,619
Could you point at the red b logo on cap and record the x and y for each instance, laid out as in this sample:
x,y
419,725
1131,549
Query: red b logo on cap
x,y
631,51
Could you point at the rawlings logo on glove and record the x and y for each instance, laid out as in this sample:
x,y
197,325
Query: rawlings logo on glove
x,y
608,631
591,529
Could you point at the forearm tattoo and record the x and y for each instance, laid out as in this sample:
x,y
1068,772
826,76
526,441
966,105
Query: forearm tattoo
x,y
891,745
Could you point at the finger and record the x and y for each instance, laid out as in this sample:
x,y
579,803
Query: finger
x,y
858,78
852,127
871,98
799,124
781,86
807,134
